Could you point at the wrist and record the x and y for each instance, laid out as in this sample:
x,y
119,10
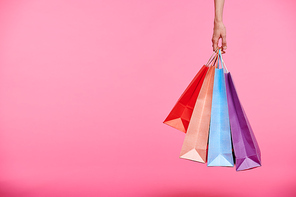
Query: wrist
x,y
218,20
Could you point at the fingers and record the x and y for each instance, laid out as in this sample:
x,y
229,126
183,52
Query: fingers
x,y
215,40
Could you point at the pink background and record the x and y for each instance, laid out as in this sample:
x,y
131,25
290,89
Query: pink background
x,y
86,85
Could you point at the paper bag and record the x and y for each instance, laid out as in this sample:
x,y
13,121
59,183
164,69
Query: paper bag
x,y
181,113
220,146
196,139
246,149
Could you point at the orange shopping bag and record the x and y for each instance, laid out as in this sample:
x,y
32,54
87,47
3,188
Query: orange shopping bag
x,y
196,139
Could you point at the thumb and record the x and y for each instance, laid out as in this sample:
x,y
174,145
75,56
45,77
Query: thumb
x,y
224,43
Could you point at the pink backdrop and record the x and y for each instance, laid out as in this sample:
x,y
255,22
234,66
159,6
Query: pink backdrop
x,y
85,86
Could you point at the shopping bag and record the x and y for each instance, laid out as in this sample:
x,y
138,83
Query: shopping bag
x,y
196,139
246,149
180,115
220,146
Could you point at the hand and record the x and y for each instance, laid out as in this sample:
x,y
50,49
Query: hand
x,y
219,32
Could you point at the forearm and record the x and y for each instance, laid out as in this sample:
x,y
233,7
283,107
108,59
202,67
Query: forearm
x,y
219,4
219,28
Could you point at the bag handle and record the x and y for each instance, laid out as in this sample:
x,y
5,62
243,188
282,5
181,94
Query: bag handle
x,y
215,62
222,62
212,57
220,59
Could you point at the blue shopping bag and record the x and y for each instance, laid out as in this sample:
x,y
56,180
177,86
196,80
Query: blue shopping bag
x,y
220,145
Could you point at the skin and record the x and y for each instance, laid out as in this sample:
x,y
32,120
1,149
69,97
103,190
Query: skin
x,y
219,31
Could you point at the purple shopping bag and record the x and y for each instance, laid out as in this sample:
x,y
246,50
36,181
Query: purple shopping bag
x,y
246,149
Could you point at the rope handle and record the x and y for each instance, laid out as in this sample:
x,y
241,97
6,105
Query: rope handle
x,y
212,57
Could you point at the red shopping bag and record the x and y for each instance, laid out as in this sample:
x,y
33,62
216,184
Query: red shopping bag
x,y
180,115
